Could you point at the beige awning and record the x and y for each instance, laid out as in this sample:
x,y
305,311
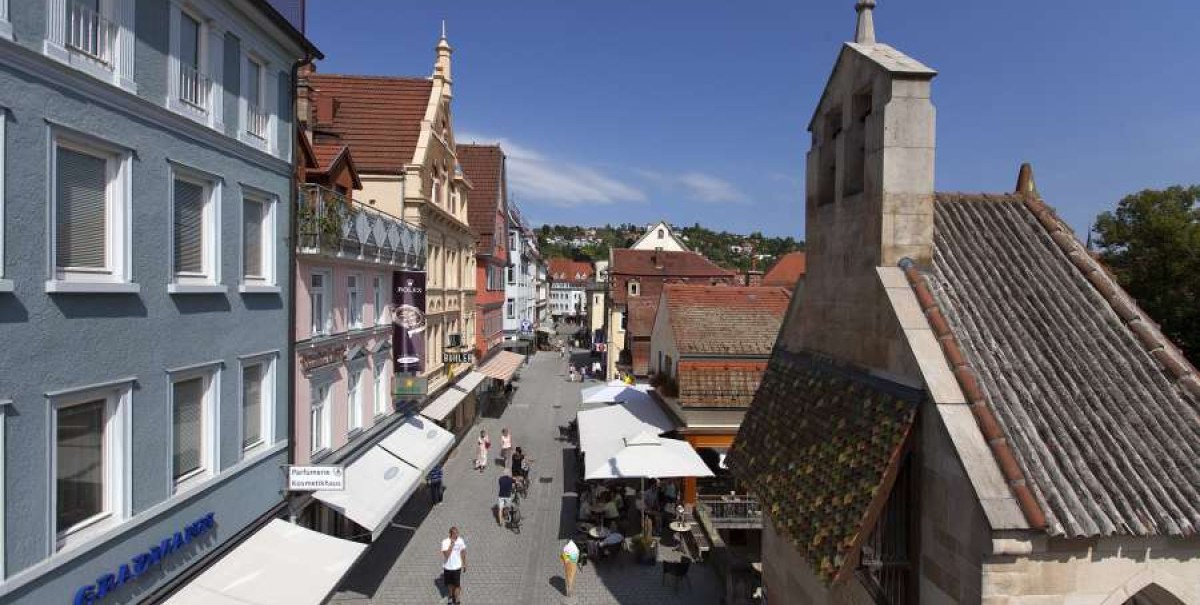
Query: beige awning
x,y
444,405
503,366
280,563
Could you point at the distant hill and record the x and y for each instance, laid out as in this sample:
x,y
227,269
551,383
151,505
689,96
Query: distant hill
x,y
729,250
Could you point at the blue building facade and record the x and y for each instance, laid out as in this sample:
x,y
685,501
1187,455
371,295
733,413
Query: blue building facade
x,y
145,196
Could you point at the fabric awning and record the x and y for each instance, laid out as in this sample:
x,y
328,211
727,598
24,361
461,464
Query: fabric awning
x,y
377,486
470,381
280,563
444,404
647,455
419,442
503,366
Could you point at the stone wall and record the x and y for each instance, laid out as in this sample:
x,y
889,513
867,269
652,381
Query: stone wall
x,y
788,576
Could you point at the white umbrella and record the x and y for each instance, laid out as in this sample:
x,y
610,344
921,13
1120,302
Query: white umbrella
x,y
613,392
647,455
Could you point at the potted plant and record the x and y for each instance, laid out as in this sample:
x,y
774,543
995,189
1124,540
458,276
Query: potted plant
x,y
644,549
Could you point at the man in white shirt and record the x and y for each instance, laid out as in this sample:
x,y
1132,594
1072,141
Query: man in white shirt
x,y
454,562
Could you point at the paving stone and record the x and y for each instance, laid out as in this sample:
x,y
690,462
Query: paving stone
x,y
404,565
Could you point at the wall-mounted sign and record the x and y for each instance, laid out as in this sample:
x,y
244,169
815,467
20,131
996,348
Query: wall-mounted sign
x,y
310,360
313,478
408,321
458,357
144,561
411,386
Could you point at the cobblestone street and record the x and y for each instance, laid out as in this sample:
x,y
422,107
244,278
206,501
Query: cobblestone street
x,y
404,565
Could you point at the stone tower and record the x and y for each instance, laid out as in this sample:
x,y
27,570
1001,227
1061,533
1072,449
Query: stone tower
x,y
869,198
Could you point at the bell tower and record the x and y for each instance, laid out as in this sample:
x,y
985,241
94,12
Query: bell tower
x,y
869,195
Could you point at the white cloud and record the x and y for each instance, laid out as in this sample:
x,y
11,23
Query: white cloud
x,y
698,186
532,175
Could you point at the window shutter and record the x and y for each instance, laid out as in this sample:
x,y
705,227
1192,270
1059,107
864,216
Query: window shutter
x,y
189,425
189,227
252,236
251,405
80,221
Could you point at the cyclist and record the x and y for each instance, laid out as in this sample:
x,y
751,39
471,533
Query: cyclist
x,y
518,468
504,496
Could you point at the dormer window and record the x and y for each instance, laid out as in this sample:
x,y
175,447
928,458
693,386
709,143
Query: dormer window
x,y
635,288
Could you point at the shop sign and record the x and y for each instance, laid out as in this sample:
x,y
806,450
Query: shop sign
x,y
144,561
411,386
458,357
313,478
408,321
316,358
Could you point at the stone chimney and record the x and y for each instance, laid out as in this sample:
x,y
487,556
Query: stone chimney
x,y
869,196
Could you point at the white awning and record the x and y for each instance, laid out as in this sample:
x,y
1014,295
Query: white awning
x,y
470,381
377,486
418,442
444,404
280,563
646,455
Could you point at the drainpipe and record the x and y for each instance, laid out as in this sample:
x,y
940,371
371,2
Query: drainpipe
x,y
293,233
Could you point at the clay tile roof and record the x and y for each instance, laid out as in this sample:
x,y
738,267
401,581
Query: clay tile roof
x,y
730,320
484,166
816,446
379,117
1102,413
643,262
787,270
570,271
719,384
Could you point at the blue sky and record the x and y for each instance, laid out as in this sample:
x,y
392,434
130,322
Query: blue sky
x,y
695,110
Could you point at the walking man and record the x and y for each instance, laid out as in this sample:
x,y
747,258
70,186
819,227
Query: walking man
x,y
435,484
505,496
454,563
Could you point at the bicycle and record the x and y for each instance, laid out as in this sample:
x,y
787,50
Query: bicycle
x,y
521,485
512,514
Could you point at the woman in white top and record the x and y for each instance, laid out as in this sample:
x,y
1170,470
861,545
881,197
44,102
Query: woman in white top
x,y
505,444
481,455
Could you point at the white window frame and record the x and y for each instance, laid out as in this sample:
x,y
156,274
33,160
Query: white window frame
x,y
5,33
252,60
268,144
320,406
118,448
354,302
510,308
326,313
268,283
208,281
119,70
6,285
210,446
116,276
269,393
354,397
208,56
382,384
381,318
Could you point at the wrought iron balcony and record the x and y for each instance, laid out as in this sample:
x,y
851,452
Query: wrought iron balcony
x,y
331,223
731,512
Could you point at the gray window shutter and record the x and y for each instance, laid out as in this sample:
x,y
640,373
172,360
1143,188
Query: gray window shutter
x,y
252,236
189,227
189,425
251,404
80,221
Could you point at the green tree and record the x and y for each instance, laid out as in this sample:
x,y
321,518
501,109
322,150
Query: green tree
x,y
1152,244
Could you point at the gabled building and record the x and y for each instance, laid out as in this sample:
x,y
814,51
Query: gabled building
x,y
708,351
636,279
520,289
484,165
659,236
965,407
569,281
787,272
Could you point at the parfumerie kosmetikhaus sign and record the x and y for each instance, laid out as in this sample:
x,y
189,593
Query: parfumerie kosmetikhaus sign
x,y
316,478
458,358
143,562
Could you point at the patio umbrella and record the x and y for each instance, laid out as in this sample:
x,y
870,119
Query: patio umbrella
x,y
613,392
648,455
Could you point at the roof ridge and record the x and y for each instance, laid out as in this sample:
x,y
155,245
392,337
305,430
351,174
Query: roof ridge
x,y
985,416
371,77
1144,329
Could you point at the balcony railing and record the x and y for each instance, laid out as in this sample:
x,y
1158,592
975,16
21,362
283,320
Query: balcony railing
x,y
90,33
330,222
194,86
256,121
731,512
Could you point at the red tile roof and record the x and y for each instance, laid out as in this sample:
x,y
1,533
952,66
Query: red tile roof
x,y
652,268
572,271
484,166
715,320
720,384
787,270
379,117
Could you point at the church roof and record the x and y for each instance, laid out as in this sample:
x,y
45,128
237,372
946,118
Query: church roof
x,y
1102,412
